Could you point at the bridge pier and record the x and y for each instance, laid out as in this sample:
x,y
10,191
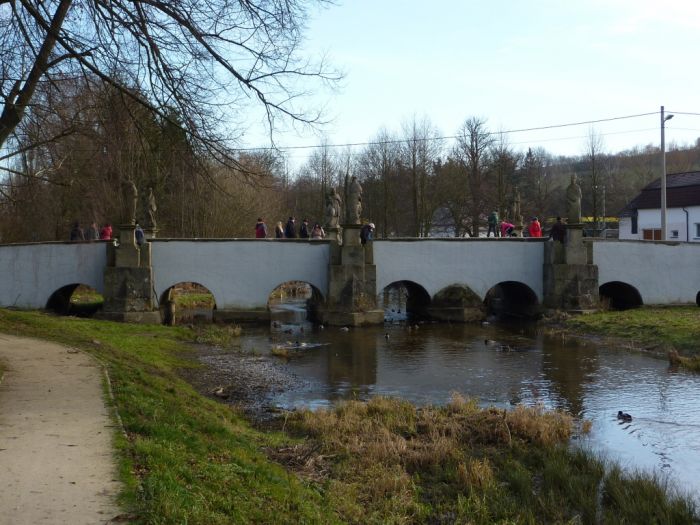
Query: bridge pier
x,y
570,279
352,283
128,282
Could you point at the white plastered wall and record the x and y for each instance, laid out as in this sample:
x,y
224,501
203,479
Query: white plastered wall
x,y
240,274
30,273
662,273
478,264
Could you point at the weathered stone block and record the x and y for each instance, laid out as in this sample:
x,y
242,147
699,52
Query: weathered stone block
x,y
570,286
127,256
353,255
128,289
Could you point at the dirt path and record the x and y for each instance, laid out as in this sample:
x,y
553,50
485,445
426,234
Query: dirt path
x,y
56,463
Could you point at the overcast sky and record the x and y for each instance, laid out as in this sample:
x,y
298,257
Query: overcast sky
x,y
516,64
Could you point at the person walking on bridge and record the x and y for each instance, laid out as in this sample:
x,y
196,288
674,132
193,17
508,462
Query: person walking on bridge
x,y
558,231
76,233
535,228
290,231
304,230
260,229
506,228
493,224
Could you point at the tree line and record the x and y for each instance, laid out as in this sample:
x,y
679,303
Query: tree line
x,y
414,183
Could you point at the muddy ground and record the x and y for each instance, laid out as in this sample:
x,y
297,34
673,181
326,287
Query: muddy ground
x,y
244,380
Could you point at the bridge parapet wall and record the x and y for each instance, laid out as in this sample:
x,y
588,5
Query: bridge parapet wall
x,y
479,264
662,272
240,273
32,272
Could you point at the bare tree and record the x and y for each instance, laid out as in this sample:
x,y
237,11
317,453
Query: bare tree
x,y
378,169
504,164
594,157
202,58
420,150
473,147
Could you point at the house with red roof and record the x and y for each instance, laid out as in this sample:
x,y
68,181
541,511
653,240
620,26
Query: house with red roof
x,y
641,218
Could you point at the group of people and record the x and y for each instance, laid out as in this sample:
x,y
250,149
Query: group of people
x,y
289,231
92,233
534,229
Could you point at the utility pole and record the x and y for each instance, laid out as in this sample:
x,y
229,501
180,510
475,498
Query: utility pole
x,y
663,173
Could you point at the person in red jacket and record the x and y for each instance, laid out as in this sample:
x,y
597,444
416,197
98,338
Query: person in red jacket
x,y
535,228
106,232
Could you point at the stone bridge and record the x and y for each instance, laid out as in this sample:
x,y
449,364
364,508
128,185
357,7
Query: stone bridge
x,y
444,277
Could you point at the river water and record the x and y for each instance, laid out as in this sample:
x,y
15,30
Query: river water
x,y
501,365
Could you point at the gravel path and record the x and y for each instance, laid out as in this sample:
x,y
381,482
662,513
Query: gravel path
x,y
56,460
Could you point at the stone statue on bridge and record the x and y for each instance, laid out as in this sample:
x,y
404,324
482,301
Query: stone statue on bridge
x,y
516,216
131,199
151,209
354,205
332,212
573,201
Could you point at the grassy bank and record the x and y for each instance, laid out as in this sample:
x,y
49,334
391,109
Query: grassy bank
x,y
188,459
657,328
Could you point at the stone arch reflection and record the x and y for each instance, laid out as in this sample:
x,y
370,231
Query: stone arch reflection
x,y
295,302
457,302
187,302
512,299
404,300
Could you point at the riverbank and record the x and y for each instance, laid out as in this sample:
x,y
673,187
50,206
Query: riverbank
x,y
189,458
656,329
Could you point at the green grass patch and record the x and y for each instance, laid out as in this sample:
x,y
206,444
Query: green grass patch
x,y
217,335
185,458
188,459
84,295
658,328
193,300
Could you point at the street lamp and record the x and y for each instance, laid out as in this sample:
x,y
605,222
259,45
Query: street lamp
x,y
663,173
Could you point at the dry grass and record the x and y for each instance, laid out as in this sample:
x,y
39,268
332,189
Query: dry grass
x,y
387,461
217,335
401,455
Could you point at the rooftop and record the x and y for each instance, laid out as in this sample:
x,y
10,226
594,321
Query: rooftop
x,y
682,190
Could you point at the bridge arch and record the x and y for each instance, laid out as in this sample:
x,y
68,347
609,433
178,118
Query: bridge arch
x,y
187,301
76,299
457,302
512,299
622,296
402,299
295,291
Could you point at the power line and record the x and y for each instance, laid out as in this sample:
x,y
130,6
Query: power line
x,y
447,137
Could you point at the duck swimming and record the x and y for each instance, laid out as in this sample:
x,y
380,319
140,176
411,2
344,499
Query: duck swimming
x,y
622,416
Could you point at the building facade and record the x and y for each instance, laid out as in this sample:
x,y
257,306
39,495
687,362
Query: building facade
x,y
641,218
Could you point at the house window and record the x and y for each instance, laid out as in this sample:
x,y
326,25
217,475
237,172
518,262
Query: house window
x,y
697,230
674,234
651,234
635,225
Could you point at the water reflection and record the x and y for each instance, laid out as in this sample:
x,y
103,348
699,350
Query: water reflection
x,y
505,366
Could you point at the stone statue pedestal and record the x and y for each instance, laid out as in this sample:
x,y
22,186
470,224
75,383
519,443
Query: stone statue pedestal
x,y
352,286
150,233
333,233
570,278
128,282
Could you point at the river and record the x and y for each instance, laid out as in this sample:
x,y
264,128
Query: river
x,y
501,365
